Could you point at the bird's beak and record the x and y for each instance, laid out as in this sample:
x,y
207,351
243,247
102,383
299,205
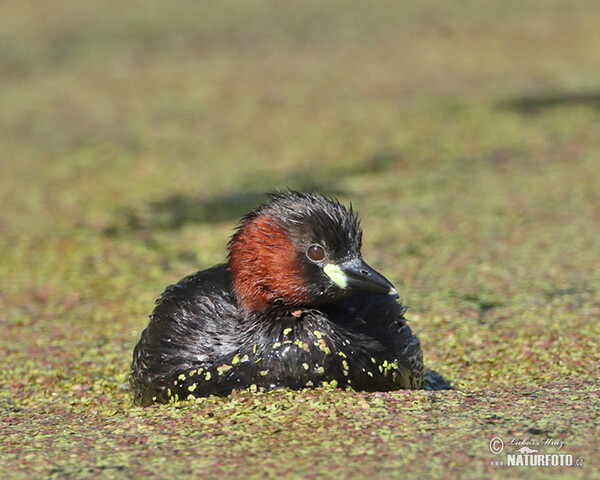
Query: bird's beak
x,y
355,274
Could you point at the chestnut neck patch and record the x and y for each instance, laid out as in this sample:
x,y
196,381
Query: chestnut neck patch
x,y
264,266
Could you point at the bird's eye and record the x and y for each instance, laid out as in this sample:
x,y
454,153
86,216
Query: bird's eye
x,y
315,253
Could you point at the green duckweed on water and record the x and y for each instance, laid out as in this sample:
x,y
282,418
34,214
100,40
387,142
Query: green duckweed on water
x,y
134,136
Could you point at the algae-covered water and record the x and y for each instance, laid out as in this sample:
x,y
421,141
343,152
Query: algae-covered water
x,y
133,137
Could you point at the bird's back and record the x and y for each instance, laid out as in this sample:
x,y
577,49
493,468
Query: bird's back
x,y
194,322
199,342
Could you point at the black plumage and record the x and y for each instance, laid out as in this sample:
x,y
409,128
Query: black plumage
x,y
275,317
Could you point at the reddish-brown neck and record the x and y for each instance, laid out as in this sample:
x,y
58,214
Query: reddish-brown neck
x,y
264,266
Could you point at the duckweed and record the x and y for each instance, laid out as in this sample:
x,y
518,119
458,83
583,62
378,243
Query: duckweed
x,y
481,197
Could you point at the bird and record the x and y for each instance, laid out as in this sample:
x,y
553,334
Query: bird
x,y
295,306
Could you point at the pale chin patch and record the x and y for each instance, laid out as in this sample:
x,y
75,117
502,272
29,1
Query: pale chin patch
x,y
336,275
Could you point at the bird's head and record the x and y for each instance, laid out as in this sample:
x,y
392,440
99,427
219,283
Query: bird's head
x,y
300,249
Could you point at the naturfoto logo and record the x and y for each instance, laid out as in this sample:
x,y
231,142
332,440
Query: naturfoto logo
x,y
527,452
